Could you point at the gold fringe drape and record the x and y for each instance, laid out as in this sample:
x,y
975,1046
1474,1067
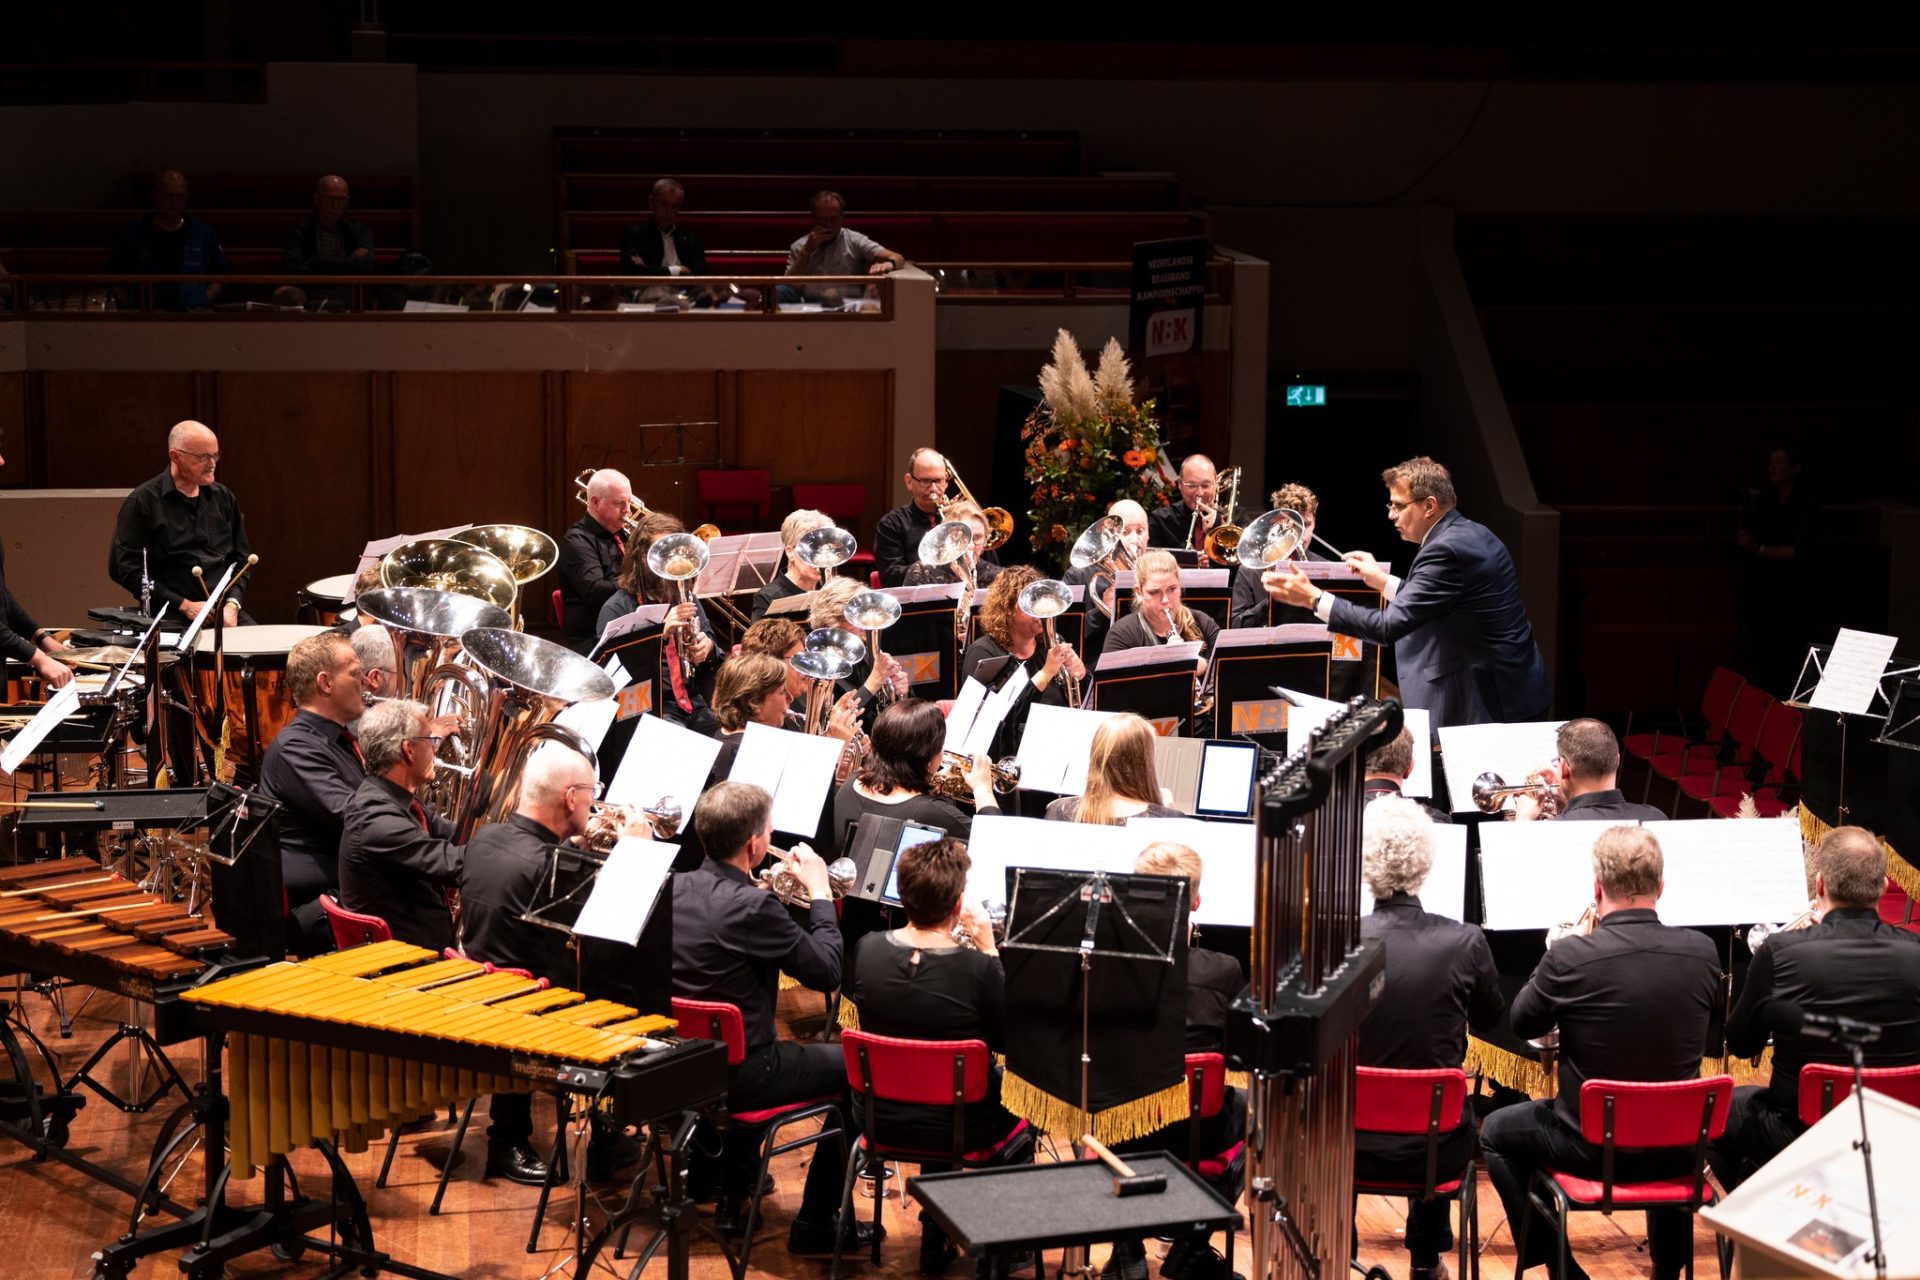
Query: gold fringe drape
x,y
1134,1119
1899,870
1505,1067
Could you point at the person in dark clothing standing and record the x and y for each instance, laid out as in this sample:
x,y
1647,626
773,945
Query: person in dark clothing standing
x,y
1586,771
1632,1000
590,555
1440,980
1777,541
313,767
395,862
1846,964
171,242
180,520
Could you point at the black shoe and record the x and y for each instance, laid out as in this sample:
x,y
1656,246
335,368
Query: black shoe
x,y
730,1216
608,1155
806,1239
517,1163
1128,1261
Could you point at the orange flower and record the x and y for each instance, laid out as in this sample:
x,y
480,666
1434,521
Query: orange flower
x,y
1058,533
1134,458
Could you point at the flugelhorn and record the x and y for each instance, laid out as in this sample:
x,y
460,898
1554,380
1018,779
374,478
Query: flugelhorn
x,y
951,542
779,879
826,549
1046,600
636,509
1757,934
679,558
950,778
1222,544
999,519
1101,546
1490,792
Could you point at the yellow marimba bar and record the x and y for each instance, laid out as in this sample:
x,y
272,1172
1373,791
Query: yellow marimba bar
x,y
287,1090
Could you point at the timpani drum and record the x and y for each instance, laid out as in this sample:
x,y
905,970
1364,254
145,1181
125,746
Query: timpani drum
x,y
323,602
255,677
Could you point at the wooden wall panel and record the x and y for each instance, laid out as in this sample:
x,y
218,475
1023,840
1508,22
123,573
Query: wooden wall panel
x,y
15,445
821,427
104,430
297,450
469,448
603,409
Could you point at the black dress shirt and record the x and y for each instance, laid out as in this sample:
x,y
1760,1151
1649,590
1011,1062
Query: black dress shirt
x,y
780,588
589,573
1095,623
1632,1000
731,940
499,879
1249,605
1609,806
393,868
1213,980
643,252
1168,526
1006,740
896,542
312,768
1850,965
1131,631
1440,980
177,533
16,624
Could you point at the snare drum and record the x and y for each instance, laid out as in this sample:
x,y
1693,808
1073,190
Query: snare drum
x,y
258,704
324,600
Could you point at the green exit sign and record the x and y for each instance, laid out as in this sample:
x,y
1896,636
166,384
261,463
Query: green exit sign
x,y
1305,396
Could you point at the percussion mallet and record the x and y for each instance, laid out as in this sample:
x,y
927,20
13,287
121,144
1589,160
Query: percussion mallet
x,y
1125,1181
200,578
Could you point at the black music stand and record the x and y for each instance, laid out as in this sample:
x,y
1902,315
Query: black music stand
x,y
1158,685
1902,728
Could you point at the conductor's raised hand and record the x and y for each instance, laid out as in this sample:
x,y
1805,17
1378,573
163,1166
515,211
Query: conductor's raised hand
x,y
1371,571
1288,585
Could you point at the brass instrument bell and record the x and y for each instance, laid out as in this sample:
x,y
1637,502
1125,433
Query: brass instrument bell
x,y
1222,543
1046,600
826,549
443,564
527,553
1490,792
1280,534
999,520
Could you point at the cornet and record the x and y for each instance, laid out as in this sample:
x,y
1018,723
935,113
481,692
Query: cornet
x,y
1757,934
608,821
950,778
1490,792
778,879
1575,928
996,915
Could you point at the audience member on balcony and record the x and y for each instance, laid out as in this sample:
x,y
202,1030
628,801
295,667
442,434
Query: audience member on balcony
x,y
329,243
660,246
830,249
170,242
1776,539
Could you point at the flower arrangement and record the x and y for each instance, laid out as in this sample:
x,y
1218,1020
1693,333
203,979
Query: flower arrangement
x,y
1087,446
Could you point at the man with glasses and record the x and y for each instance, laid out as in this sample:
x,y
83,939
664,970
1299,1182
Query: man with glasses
x,y
395,862
896,541
181,520
312,767
1585,771
1459,630
1185,524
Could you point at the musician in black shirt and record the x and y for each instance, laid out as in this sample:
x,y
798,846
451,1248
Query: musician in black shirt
x,y
896,539
1005,632
24,640
731,941
1847,964
1248,604
1586,771
181,520
312,767
796,576
1439,981
1632,1000
1391,764
590,553
395,863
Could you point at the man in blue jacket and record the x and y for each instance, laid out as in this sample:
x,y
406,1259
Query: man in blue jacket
x,y
1459,631
168,242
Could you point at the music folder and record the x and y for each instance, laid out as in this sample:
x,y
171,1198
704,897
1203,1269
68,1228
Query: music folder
x,y
1248,661
1157,682
797,768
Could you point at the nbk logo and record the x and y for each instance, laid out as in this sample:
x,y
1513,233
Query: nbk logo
x,y
1345,648
921,668
636,699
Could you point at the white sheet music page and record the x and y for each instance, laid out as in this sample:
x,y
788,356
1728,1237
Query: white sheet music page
x,y
1226,852
618,670
1419,784
796,767
1305,713
1149,655
1852,674
664,759
1534,875
1740,872
62,704
590,720
997,842
625,889
965,708
994,712
647,615
1054,747
1510,750
1445,892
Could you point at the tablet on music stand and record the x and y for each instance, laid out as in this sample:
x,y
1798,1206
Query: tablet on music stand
x,y
911,834
1227,772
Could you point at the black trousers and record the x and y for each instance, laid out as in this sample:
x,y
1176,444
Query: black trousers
x,y
1518,1140
784,1072
1757,1131
1402,1157
509,1120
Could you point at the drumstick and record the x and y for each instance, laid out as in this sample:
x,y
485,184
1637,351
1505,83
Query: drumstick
x,y
48,888
94,805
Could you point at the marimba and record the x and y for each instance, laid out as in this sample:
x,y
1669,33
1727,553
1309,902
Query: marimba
x,y
71,918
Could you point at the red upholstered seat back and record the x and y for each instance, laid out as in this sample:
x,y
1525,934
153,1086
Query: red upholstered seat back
x,y
350,928
1661,1113
919,1072
1392,1101
713,1020
1817,1077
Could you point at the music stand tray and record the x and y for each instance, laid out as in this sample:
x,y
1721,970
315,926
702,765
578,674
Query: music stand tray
x,y
996,1212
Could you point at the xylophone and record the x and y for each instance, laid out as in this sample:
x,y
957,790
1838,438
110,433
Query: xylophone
x,y
352,1042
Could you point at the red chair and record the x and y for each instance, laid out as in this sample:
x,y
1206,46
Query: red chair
x,y
1744,722
559,611
743,496
350,928
1431,1102
847,504
1774,749
1206,1098
1641,1116
718,1020
1716,704
1824,1086
924,1073
1773,797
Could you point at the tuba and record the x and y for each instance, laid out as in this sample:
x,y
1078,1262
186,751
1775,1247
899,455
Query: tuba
x,y
826,549
999,519
443,564
1046,600
951,542
1101,547
636,509
1222,544
527,553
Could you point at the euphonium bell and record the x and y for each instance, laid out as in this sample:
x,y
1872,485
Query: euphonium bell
x,y
443,564
826,549
1101,545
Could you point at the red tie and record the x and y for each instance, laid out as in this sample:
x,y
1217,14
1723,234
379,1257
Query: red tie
x,y
353,745
677,679
621,543
1199,537
419,814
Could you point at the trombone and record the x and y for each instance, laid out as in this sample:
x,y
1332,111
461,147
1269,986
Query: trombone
x,y
999,519
1046,600
1100,546
636,509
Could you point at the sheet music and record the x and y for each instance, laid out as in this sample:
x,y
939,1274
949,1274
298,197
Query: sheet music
x,y
192,634
1853,672
738,562
64,702
965,708
1738,872
998,841
1305,713
625,890
946,591
1445,892
1510,750
647,615
801,604
1150,655
1054,747
994,714
1534,875
379,547
618,670
1254,637
1419,784
1331,570
590,720
1226,852
663,759
796,767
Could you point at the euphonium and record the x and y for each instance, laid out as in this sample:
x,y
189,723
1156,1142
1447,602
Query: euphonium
x,y
950,778
951,542
636,509
999,519
1101,545
1222,544
778,879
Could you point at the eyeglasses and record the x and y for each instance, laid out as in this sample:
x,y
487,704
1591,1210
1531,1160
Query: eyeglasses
x,y
926,480
204,457
1395,508
435,738
599,789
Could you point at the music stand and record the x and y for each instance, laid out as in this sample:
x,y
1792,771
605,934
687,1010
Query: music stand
x,y
1902,728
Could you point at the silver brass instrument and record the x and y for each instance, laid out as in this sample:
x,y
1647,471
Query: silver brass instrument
x,y
1280,534
1222,544
873,612
1757,934
442,564
1490,792
996,915
825,549
950,777
527,553
778,879
606,822
1046,600
828,656
951,542
999,519
1100,545
1576,928
636,509
679,558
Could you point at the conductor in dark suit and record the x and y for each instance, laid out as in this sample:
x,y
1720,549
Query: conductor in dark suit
x,y
1848,964
660,246
1456,622
395,862
1632,1000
